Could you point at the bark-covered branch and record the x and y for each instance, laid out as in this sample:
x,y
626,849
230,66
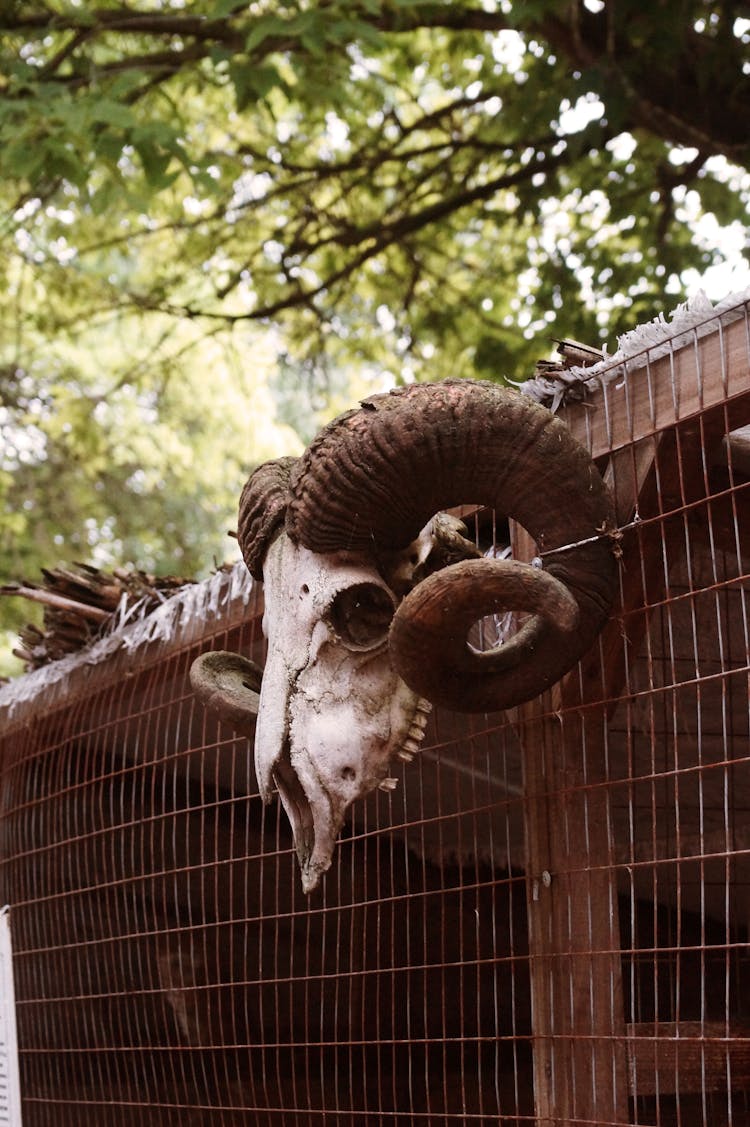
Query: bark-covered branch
x,y
684,90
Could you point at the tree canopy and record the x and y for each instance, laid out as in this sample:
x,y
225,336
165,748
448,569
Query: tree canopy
x,y
220,220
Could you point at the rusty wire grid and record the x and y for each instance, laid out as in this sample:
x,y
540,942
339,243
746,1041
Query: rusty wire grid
x,y
546,922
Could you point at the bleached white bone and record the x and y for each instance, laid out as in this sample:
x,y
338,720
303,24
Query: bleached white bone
x,y
332,710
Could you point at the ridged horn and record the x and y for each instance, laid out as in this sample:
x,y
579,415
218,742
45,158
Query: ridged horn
x,y
262,512
429,649
373,478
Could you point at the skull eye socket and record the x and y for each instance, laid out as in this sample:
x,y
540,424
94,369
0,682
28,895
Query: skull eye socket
x,y
361,616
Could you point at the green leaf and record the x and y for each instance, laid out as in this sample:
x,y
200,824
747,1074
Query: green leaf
x,y
109,146
112,113
252,82
62,161
224,8
21,159
266,27
104,198
156,132
154,160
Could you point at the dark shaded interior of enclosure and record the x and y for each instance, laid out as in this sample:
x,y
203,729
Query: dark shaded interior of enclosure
x,y
169,968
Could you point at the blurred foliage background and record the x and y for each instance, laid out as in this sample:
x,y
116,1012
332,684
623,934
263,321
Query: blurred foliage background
x,y
221,223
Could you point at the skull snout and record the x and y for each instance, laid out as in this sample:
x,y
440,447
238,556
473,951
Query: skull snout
x,y
325,732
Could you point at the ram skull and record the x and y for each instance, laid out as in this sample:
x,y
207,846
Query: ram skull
x,y
371,590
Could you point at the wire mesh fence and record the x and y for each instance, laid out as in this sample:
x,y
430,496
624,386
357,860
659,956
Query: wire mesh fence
x,y
545,923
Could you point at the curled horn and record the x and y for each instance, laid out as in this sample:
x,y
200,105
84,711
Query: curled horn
x,y
373,478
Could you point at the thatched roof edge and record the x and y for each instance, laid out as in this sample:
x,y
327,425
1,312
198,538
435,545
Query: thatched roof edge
x,y
641,346
196,610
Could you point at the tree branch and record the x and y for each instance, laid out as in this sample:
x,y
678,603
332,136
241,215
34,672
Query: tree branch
x,y
663,95
57,602
373,238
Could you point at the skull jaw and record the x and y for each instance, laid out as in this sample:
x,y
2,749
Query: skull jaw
x,y
314,821
338,753
329,758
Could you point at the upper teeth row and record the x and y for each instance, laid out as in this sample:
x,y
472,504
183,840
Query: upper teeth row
x,y
416,731
424,707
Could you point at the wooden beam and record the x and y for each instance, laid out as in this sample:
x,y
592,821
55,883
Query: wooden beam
x,y
626,475
645,397
654,471
578,1021
580,1066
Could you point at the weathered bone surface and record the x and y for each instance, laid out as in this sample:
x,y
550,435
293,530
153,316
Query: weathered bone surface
x,y
332,709
371,589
